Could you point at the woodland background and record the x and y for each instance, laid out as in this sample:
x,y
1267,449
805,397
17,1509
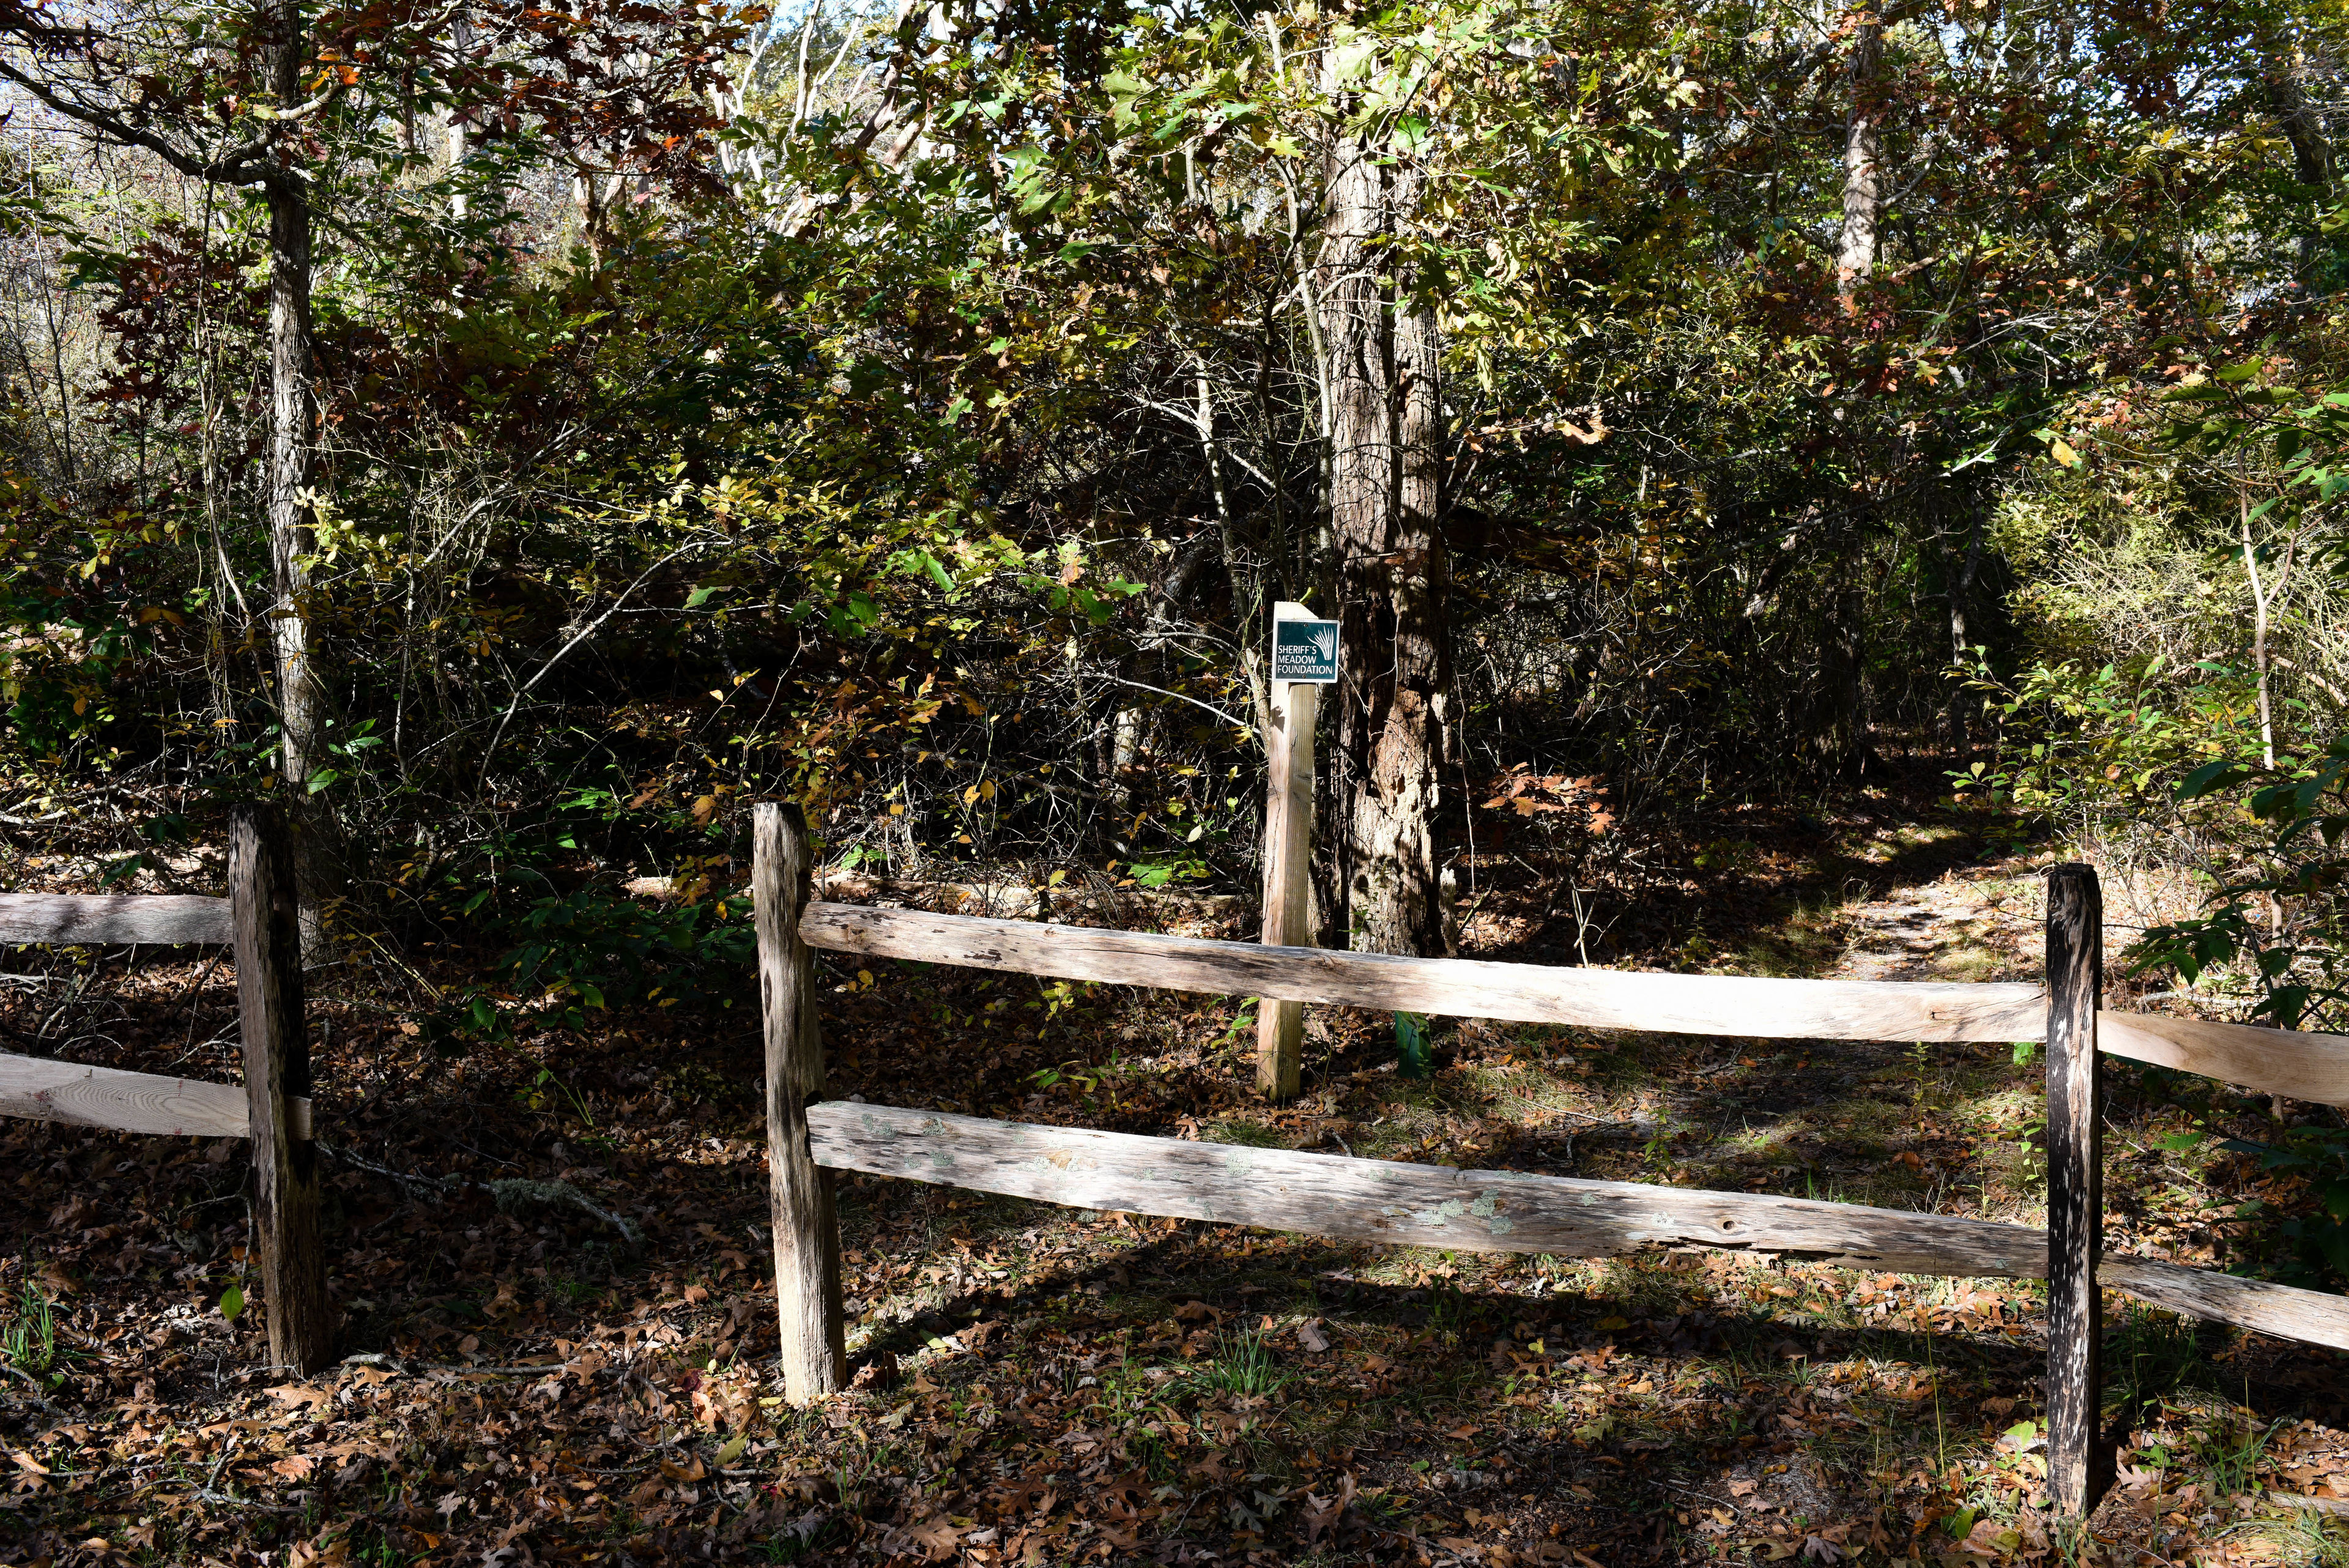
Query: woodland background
x,y
1757,453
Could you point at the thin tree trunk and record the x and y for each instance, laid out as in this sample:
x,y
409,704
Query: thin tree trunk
x,y
2258,635
293,463
1962,595
1863,161
459,130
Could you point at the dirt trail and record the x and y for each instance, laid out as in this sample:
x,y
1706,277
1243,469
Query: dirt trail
x,y
1898,938
1954,926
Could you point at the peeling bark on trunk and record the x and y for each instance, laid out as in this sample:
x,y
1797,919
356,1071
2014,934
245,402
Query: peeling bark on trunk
x,y
1863,161
1386,455
1395,883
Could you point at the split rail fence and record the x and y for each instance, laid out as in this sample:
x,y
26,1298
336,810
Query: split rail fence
x,y
811,1138
260,921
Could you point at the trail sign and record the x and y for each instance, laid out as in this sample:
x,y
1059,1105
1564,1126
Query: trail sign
x,y
1305,650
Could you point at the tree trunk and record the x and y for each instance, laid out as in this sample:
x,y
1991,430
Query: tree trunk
x,y
1961,599
1863,161
1358,466
2303,126
1395,881
293,465
1386,431
459,138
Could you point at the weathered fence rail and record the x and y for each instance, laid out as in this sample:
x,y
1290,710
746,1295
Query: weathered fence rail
x,y
36,1089
1497,1211
169,918
1386,1202
2271,1061
260,920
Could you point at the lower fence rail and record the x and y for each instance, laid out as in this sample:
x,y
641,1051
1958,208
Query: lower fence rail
x,y
1386,1202
38,1089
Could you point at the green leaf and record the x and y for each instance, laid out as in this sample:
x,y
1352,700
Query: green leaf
x,y
231,1303
2211,777
1414,1057
733,1448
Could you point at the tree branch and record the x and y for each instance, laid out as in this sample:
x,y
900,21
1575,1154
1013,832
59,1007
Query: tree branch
x,y
243,166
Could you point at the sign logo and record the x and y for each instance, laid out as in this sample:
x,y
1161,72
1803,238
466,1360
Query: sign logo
x,y
1305,650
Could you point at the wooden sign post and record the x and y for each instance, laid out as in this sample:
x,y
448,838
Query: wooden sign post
x,y
1304,657
2078,1471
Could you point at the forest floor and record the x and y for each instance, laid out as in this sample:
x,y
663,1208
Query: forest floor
x,y
553,1269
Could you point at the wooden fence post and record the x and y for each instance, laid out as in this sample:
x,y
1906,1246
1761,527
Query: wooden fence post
x,y
265,921
2077,1467
813,1325
1288,863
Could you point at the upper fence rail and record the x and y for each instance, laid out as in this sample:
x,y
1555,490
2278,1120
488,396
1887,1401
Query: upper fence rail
x,y
2303,1066
97,918
2272,1061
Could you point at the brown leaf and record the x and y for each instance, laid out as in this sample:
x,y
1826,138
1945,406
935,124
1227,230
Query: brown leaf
x,y
360,1447
1989,1539
937,1538
303,1394
1309,1336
